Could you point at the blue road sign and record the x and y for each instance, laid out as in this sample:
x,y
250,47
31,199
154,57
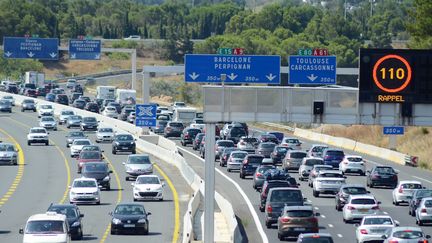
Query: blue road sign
x,y
145,115
85,49
36,48
394,130
232,69
312,70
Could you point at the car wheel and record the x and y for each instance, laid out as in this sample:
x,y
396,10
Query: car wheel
x,y
146,231
409,211
97,141
315,193
371,185
22,110
280,237
134,151
268,224
229,170
68,126
98,203
362,174
242,176
108,187
261,209
127,178
113,232
135,200
161,199
413,213
29,143
114,151
420,223
396,203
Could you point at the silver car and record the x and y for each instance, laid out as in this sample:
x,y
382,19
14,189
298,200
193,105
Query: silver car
x,y
8,154
293,143
73,121
373,227
235,160
28,104
9,98
358,206
48,122
307,165
104,134
6,106
353,164
64,114
138,164
404,190
315,171
328,182
293,159
424,211
316,150
406,235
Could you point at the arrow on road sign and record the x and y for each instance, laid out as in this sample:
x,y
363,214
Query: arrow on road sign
x,y
97,56
312,77
52,54
30,54
73,55
145,111
8,54
270,77
232,76
194,76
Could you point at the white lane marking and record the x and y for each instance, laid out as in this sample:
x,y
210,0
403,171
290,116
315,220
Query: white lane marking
x,y
330,225
422,179
248,202
385,213
339,235
323,216
372,162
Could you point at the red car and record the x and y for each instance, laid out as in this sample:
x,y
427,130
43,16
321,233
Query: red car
x,y
88,156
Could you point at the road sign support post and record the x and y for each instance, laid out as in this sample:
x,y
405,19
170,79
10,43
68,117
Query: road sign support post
x,y
145,86
209,189
133,60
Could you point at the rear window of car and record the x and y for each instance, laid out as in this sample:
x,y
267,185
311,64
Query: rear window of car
x,y
385,170
320,239
364,201
226,144
239,155
176,124
300,213
298,155
89,119
237,131
354,190
425,193
318,148
331,175
381,220
250,140
428,203
267,145
194,131
281,149
290,140
286,196
264,169
335,153
312,162
255,160
411,186
408,234
354,159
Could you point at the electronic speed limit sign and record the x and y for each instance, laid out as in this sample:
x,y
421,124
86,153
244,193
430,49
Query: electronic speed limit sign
x,y
395,76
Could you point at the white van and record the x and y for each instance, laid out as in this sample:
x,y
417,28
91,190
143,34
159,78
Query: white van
x,y
184,114
47,227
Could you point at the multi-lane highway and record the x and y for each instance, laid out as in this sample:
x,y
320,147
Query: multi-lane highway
x,y
45,172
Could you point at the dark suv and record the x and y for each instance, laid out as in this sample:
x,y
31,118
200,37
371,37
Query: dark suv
x,y
197,141
173,129
62,99
188,135
269,184
98,170
123,143
333,157
235,133
277,199
73,217
250,164
89,123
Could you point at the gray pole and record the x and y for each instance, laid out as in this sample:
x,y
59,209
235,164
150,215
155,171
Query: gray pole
x,y
146,88
134,69
209,190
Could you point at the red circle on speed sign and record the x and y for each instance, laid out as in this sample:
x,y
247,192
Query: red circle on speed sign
x,y
379,81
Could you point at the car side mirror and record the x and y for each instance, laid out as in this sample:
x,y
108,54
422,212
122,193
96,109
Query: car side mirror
x,y
397,223
81,215
163,184
317,214
368,172
424,187
428,236
110,172
345,177
307,150
133,184
21,231
135,139
148,214
383,237
379,202
356,225
48,133
298,184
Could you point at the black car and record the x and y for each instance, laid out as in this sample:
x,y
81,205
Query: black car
x,y
225,155
99,102
235,133
73,217
123,143
278,154
417,196
12,88
265,149
85,98
89,123
125,112
62,99
130,218
345,191
5,106
92,107
269,184
382,176
243,125
78,103
41,91
188,135
98,170
263,138
250,164
197,141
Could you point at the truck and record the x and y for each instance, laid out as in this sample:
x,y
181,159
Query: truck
x,y
126,97
184,114
36,78
105,92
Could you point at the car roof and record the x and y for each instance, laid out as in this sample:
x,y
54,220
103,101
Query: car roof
x,y
47,216
311,157
148,176
284,189
377,216
82,139
137,155
409,182
353,156
63,205
323,166
402,228
296,151
330,171
85,179
37,128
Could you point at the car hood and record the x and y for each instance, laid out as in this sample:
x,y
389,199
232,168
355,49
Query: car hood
x,y
105,134
148,187
7,154
131,217
38,134
84,190
77,147
139,166
96,175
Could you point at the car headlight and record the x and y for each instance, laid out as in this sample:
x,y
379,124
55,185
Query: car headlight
x,y
142,221
95,193
76,224
116,221
132,143
73,193
106,178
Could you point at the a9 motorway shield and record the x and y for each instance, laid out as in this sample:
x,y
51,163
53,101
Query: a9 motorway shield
x,y
145,115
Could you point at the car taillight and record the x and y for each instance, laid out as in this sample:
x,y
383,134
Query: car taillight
x,y
351,208
375,176
186,136
375,207
363,231
393,241
258,174
269,209
284,219
423,241
327,157
345,163
424,210
245,162
400,190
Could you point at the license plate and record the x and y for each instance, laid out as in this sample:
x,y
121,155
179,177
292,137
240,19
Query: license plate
x,y
365,210
129,225
299,229
124,147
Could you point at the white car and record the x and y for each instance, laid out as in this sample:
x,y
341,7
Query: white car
x,y
225,129
48,122
104,134
404,190
293,143
358,206
37,135
148,187
9,98
327,182
315,171
406,235
307,165
110,111
77,146
71,83
373,227
424,211
133,37
235,160
317,150
45,110
353,164
47,227
84,190
64,115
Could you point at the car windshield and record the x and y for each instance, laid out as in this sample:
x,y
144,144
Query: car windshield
x,y
286,196
354,190
106,130
176,124
89,155
75,118
384,170
91,148
228,150
312,162
139,160
7,148
239,155
129,210
193,132
300,213
199,121
89,119
124,138
28,101
237,131
408,234
428,203
85,184
250,140
298,155
65,113
147,180
255,160
45,227
68,211
281,149
411,186
162,123
332,175
364,201
424,193
225,144
47,119
81,142
319,168
318,239
95,167
354,159
37,130
291,140
381,220
8,97
76,134
263,169
46,107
